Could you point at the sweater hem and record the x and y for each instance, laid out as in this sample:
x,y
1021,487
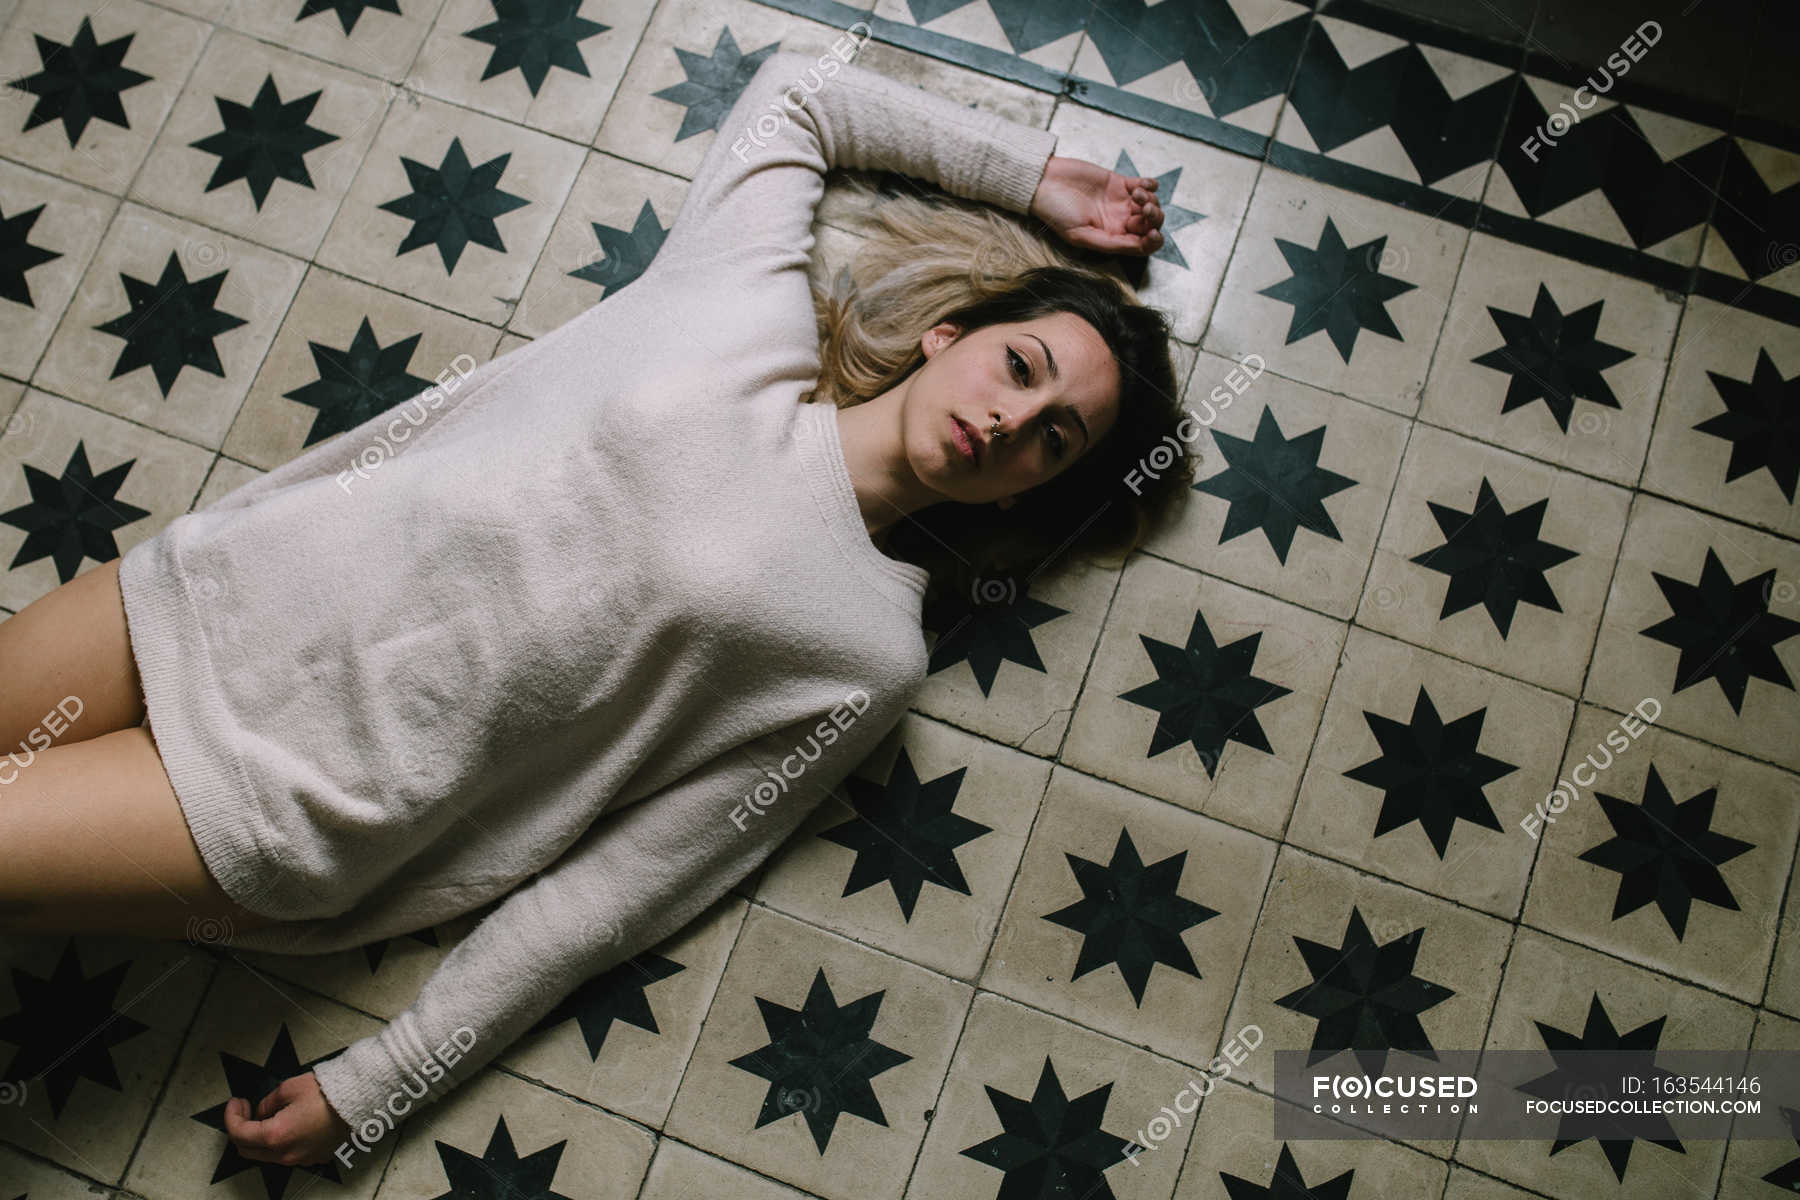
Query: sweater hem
x,y
188,717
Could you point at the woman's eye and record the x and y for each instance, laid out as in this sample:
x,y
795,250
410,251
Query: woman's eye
x,y
1057,441
1021,368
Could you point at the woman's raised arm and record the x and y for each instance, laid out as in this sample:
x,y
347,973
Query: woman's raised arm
x,y
760,182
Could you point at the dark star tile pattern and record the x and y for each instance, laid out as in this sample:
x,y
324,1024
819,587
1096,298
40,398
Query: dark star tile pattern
x,y
18,255
821,1061
500,1172
263,141
454,204
1275,483
348,12
1666,853
1554,357
904,833
171,324
1337,289
988,623
532,36
714,82
1430,771
66,1027
72,516
1494,558
1724,630
1053,1144
1205,694
1130,915
625,253
357,382
1365,996
252,1081
1761,421
81,81
1600,1035
1287,1183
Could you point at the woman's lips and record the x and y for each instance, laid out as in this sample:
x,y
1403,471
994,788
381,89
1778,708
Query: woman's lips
x,y
965,441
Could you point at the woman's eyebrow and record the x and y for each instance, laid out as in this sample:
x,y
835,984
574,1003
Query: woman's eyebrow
x,y
1048,357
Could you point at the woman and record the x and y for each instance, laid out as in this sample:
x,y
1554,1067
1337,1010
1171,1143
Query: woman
x,y
621,569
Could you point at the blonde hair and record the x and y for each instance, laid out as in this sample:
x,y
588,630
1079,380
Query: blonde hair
x,y
927,258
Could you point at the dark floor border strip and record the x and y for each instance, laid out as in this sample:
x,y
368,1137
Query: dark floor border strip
x,y
1402,193
1222,135
1000,64
826,12
1582,248
1418,198
1429,33
1770,133
1628,90
1752,297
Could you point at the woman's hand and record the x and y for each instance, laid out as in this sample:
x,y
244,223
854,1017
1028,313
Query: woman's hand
x,y
294,1125
1097,209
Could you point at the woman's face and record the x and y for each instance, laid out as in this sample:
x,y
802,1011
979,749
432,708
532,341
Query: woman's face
x,y
1051,382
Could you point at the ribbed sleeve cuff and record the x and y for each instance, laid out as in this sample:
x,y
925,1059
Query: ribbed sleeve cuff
x,y
1015,164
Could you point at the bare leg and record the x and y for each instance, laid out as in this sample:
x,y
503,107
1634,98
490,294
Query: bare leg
x,y
68,642
96,843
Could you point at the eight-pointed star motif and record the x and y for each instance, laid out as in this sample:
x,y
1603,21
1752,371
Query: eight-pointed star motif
x,y
1275,484
498,1173
1431,772
1638,1047
1205,694
1666,853
80,82
453,204
349,12
1493,558
1761,421
904,833
171,324
1724,630
531,36
1052,1144
986,624
713,84
1365,997
73,516
17,255
819,1060
1288,1183
1553,356
1130,915
1337,288
264,141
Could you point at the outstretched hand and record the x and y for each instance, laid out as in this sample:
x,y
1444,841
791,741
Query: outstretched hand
x,y
294,1125
1097,209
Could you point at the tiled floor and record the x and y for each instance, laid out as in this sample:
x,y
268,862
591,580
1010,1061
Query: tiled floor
x,y
1521,457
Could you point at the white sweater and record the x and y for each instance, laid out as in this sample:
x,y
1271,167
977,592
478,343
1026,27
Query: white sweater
x,y
578,619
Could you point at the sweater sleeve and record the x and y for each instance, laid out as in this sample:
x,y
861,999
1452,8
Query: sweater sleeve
x,y
762,178
634,878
